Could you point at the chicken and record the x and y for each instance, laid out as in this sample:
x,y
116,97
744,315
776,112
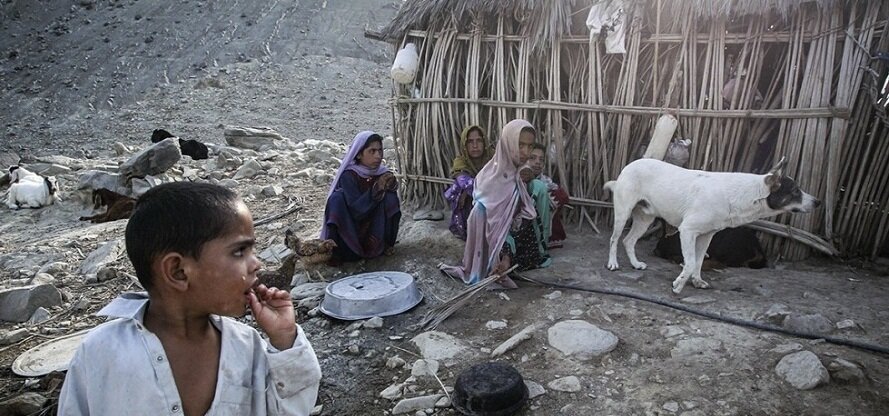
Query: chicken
x,y
311,253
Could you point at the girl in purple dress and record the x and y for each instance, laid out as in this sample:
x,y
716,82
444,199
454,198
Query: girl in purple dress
x,y
474,153
363,209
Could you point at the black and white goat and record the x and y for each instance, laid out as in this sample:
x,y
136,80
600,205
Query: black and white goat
x,y
30,190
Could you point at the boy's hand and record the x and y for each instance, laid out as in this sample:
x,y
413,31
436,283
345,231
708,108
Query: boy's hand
x,y
273,310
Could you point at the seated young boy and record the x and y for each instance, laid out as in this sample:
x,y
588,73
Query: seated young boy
x,y
176,351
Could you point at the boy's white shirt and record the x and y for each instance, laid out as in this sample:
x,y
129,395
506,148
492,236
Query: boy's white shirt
x,y
121,368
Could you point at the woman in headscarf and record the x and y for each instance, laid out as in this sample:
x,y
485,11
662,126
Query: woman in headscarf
x,y
502,207
363,210
474,153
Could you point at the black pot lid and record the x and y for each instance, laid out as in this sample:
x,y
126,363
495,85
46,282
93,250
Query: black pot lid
x,y
489,389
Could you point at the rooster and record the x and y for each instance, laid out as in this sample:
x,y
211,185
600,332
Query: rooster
x,y
311,253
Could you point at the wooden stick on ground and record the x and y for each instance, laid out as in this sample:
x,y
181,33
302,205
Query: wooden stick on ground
x,y
441,312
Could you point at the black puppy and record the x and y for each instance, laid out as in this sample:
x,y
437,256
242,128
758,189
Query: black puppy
x,y
193,148
731,247
160,134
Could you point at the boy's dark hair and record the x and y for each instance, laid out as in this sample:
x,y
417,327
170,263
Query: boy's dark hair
x,y
539,146
176,217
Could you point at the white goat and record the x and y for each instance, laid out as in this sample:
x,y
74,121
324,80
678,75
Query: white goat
x,y
19,174
30,190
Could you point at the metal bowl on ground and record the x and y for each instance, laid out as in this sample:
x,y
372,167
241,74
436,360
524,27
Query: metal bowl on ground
x,y
489,389
53,355
371,294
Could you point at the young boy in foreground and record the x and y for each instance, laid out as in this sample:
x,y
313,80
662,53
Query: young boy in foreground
x,y
175,351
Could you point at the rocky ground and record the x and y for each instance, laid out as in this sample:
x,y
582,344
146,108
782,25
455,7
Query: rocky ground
x,y
79,77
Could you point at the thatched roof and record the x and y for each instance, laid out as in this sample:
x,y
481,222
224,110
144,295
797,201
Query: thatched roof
x,y
552,18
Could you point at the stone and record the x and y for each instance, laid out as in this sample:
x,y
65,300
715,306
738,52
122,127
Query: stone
x,y
443,402
49,169
308,290
23,404
373,323
395,362
802,370
42,279
776,313
96,179
670,331
39,315
424,368
248,170
492,325
416,403
787,348
846,324
106,273
228,183
810,324
435,345
846,371
553,295
254,138
106,253
11,337
317,410
272,190
580,339
671,406
393,392
121,149
534,389
570,384
152,160
226,160
18,304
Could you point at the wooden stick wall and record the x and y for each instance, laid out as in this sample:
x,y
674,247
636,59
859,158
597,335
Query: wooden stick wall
x,y
805,87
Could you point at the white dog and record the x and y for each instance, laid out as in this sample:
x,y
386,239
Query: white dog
x,y
699,204
30,190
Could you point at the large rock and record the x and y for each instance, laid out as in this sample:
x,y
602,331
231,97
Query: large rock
x,y
96,179
802,370
18,304
105,254
435,345
580,339
152,160
254,138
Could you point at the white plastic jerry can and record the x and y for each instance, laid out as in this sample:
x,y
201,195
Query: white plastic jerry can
x,y
405,66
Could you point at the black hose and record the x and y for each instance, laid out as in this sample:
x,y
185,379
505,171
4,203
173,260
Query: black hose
x,y
716,316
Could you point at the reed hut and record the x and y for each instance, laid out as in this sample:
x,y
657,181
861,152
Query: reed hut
x,y
748,80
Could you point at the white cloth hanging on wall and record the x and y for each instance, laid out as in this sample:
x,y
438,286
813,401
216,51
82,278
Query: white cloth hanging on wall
x,y
609,17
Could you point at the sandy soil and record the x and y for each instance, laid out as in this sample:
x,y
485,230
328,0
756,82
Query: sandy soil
x,y
305,70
